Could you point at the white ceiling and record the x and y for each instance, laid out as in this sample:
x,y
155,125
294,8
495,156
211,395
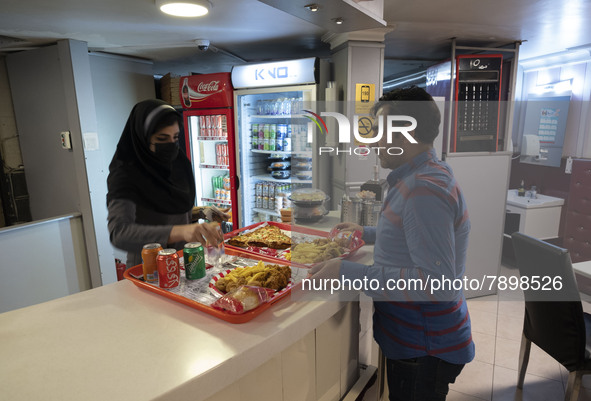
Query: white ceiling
x,y
255,31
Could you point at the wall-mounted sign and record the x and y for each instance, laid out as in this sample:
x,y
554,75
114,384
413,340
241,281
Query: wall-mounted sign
x,y
365,97
277,73
545,117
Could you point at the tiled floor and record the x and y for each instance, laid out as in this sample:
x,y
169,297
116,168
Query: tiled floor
x,y
497,323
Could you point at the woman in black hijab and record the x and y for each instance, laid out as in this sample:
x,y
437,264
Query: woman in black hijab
x,y
151,188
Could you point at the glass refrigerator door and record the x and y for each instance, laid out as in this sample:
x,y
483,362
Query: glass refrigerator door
x,y
210,156
274,154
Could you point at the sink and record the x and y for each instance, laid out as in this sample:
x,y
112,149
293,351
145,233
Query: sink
x,y
540,201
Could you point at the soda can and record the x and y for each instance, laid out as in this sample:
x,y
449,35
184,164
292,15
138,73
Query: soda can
x,y
271,203
266,131
259,202
265,188
218,121
266,144
149,254
169,272
265,202
272,144
272,131
194,257
255,142
218,193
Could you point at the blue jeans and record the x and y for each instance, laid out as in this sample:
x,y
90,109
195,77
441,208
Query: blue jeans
x,y
420,379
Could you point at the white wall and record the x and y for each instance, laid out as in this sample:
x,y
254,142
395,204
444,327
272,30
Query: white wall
x,y
118,84
42,261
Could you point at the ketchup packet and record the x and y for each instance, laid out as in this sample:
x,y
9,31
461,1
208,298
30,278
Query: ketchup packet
x,y
243,299
346,239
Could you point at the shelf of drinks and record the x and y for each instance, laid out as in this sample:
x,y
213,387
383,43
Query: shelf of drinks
x,y
292,180
277,116
213,138
217,201
283,153
270,212
214,166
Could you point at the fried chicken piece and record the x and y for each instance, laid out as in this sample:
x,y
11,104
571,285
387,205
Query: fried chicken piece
x,y
285,270
276,280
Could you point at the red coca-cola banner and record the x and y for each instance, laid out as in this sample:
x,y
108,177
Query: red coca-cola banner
x,y
207,90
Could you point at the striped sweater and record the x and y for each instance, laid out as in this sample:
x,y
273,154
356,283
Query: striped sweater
x,y
420,243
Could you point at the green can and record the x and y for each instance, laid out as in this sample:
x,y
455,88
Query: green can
x,y
194,258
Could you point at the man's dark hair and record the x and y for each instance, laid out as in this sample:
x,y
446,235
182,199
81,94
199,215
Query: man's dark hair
x,y
417,103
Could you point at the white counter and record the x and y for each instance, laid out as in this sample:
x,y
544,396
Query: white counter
x,y
121,342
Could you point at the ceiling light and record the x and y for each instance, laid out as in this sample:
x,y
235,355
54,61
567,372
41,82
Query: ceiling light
x,y
338,20
184,8
312,7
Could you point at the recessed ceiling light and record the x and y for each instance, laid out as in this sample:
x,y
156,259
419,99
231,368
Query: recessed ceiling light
x,y
338,20
184,8
312,7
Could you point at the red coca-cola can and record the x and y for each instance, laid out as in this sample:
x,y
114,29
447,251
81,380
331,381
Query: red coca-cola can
x,y
218,121
169,272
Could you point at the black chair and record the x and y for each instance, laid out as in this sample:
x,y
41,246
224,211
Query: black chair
x,y
554,318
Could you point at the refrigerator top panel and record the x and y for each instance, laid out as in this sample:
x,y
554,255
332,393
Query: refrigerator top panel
x,y
206,91
277,73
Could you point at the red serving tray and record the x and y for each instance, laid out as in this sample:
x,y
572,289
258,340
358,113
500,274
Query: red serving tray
x,y
286,227
228,317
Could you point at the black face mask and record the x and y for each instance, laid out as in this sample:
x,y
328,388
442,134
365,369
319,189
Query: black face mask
x,y
166,152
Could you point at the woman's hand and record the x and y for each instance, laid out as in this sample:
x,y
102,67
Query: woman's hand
x,y
349,227
210,213
206,233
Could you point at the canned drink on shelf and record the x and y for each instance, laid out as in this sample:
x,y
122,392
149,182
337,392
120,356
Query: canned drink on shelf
x,y
218,121
271,204
266,144
194,258
258,189
266,131
265,202
265,188
272,131
259,202
202,125
169,273
218,193
224,126
149,254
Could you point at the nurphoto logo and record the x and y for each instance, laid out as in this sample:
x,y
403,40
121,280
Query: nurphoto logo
x,y
395,123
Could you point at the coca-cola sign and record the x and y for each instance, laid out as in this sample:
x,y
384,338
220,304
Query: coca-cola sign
x,y
208,90
211,86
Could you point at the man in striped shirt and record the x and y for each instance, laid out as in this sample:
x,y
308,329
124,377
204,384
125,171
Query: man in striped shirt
x,y
422,235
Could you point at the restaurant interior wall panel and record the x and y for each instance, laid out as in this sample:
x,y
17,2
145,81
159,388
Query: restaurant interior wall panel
x,y
577,227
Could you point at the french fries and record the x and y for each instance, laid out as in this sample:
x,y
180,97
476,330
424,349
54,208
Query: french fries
x,y
316,251
269,276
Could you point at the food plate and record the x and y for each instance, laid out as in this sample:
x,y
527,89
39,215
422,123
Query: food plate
x,y
202,299
279,256
215,291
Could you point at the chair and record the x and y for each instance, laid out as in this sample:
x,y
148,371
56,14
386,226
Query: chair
x,y
554,319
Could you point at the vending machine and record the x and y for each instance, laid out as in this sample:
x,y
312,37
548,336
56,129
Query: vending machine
x,y
476,103
210,139
274,133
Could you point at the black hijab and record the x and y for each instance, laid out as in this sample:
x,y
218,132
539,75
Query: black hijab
x,y
135,173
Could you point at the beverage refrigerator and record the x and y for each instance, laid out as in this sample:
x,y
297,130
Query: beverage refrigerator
x,y
209,139
275,135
